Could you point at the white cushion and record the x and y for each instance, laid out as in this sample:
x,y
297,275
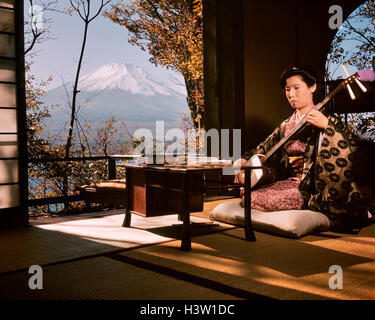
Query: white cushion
x,y
288,223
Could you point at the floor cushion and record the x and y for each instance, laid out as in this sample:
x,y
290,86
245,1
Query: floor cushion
x,y
117,184
109,192
287,223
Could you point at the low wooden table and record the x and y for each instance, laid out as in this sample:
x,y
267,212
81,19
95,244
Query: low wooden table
x,y
156,190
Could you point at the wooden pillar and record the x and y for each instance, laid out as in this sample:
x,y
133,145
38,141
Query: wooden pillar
x,y
223,65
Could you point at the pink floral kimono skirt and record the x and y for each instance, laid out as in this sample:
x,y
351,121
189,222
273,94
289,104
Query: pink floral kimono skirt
x,y
284,194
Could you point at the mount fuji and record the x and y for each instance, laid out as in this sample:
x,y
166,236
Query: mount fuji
x,y
124,91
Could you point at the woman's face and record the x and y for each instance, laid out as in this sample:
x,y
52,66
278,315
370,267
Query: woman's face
x,y
297,92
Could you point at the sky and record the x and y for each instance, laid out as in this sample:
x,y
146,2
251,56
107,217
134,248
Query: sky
x,y
106,42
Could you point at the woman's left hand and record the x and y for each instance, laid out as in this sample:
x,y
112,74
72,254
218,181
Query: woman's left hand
x,y
317,119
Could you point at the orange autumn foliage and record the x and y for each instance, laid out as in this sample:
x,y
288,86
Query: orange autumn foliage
x,y
171,32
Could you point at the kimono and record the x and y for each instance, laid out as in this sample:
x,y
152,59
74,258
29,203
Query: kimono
x,y
325,182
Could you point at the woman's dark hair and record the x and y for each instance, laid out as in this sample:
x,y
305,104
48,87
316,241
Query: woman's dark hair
x,y
306,76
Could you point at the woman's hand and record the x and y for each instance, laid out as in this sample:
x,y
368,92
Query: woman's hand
x,y
239,177
317,119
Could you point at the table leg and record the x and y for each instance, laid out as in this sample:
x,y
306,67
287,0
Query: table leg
x,y
249,233
127,219
128,215
186,238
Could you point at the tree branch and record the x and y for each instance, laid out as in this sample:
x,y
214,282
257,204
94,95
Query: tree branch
x,y
360,34
100,9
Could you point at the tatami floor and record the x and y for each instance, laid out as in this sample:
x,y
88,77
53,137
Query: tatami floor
x,y
93,258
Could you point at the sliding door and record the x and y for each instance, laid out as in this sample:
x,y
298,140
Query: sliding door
x,y
13,157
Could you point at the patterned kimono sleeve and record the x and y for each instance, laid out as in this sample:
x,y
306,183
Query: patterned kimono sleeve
x,y
336,192
267,144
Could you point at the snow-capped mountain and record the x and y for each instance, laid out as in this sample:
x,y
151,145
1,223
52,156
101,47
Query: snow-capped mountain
x,y
127,77
124,91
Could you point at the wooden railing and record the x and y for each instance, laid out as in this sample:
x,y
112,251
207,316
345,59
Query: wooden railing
x,y
111,169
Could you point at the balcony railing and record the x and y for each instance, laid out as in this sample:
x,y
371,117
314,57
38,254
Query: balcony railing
x,y
68,198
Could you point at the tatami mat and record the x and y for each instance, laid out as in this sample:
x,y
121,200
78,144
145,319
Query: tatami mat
x,y
96,258
102,278
272,266
67,240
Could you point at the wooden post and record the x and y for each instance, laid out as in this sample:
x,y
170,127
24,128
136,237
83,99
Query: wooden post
x,y
111,168
249,233
186,237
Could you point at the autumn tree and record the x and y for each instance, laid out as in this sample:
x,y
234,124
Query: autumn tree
x,y
171,32
84,9
36,30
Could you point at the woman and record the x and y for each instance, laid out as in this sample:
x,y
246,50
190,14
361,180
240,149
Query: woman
x,y
314,170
